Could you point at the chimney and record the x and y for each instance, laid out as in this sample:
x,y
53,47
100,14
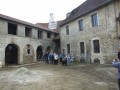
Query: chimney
x,y
68,14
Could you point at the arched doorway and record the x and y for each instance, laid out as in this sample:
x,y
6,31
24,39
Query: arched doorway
x,y
39,53
11,54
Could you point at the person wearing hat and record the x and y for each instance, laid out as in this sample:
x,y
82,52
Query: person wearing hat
x,y
116,64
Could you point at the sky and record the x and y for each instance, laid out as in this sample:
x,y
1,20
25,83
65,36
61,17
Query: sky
x,y
35,11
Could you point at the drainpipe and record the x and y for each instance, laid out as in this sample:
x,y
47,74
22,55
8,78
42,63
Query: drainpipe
x,y
117,20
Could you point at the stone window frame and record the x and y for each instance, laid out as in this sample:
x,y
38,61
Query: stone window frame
x,y
67,30
80,25
49,35
28,49
96,46
15,24
40,34
28,31
94,20
82,47
68,48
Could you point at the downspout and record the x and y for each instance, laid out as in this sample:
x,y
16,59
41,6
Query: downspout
x,y
117,37
117,22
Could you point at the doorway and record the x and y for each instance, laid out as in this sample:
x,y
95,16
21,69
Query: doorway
x,y
39,53
11,54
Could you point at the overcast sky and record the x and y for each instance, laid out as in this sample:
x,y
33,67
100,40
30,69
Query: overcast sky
x,y
34,11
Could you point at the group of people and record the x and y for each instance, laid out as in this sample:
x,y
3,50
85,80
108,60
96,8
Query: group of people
x,y
54,58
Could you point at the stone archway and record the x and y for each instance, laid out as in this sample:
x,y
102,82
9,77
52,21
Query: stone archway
x,y
11,54
39,52
28,54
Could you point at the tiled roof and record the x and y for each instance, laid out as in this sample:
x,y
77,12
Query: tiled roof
x,y
84,8
43,24
7,18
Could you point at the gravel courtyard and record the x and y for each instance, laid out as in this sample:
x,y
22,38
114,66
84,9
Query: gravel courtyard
x,y
41,76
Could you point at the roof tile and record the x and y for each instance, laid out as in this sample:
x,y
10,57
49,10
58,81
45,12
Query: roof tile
x,y
84,8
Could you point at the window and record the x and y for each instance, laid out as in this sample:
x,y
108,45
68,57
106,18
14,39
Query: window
x,y
12,28
68,48
48,35
94,20
96,46
80,23
28,32
28,49
82,47
67,30
40,34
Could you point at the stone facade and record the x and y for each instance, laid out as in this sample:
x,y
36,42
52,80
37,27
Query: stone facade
x,y
24,48
106,33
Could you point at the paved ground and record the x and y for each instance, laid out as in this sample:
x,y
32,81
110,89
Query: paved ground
x,y
56,77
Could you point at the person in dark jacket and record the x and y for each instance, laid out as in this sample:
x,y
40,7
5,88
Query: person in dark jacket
x,y
116,64
46,57
51,58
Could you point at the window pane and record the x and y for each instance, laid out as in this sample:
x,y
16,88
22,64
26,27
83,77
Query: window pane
x,y
81,25
96,46
67,30
68,48
82,47
94,20
28,51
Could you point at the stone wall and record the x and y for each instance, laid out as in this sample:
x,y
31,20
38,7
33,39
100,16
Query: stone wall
x,y
28,55
21,41
104,32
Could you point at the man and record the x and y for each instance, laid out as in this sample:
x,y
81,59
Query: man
x,y
116,64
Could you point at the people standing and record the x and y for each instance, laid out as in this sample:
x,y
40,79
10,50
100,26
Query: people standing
x,y
50,58
61,57
116,64
71,59
68,58
56,57
46,57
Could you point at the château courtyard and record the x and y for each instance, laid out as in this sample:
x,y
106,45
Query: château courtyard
x,y
41,76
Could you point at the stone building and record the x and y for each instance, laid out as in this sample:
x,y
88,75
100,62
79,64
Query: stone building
x,y
92,31
22,42
53,26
